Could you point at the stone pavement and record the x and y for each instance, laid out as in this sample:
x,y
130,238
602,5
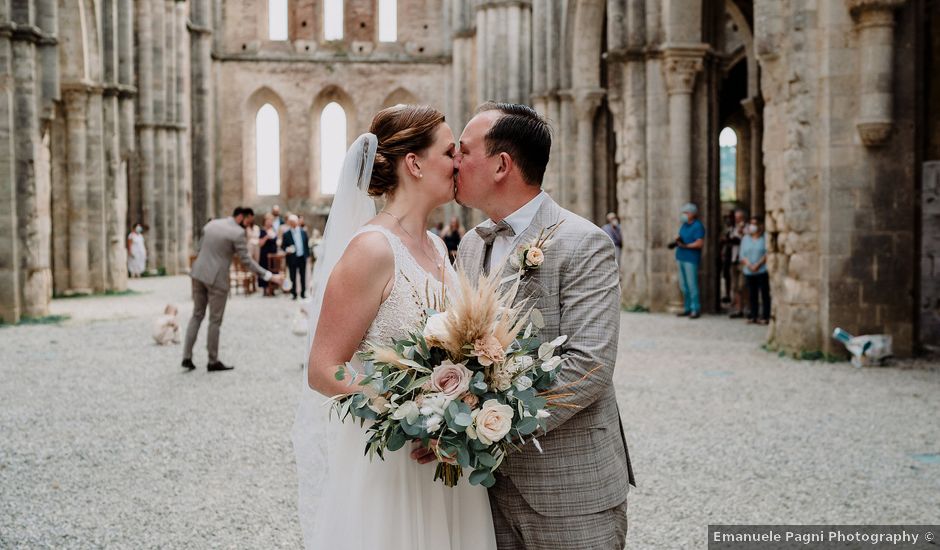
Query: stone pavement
x,y
104,442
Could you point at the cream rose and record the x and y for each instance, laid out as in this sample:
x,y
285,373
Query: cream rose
x,y
534,257
435,331
492,422
451,379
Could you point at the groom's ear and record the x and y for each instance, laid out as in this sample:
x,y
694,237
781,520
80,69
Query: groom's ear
x,y
504,166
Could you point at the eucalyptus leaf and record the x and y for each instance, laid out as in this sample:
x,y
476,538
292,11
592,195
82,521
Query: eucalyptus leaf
x,y
478,476
537,319
527,425
486,459
463,419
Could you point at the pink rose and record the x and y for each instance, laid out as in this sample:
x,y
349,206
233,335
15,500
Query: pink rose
x,y
451,379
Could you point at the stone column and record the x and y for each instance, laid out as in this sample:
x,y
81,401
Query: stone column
x,y
97,202
145,123
203,154
10,307
586,104
681,66
76,100
753,108
184,170
481,51
875,24
565,140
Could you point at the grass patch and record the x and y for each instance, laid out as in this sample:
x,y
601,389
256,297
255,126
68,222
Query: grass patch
x,y
126,292
803,355
636,308
45,320
160,272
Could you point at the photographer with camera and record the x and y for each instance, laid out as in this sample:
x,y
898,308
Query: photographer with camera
x,y
688,247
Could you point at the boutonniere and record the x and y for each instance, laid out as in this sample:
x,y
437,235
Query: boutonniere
x,y
531,255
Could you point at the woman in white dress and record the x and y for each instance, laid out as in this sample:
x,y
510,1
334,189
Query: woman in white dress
x,y
375,290
136,252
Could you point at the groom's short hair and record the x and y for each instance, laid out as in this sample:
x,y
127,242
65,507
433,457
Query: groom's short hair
x,y
523,134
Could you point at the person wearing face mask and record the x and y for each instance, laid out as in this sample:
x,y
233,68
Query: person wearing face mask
x,y
688,247
754,262
136,252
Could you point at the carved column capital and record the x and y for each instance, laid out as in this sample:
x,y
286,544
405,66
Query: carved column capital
x,y
681,64
586,102
864,9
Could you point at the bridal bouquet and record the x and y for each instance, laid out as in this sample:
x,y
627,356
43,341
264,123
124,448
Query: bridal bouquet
x,y
470,382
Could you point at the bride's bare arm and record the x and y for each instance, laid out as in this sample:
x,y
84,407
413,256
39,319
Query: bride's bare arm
x,y
360,282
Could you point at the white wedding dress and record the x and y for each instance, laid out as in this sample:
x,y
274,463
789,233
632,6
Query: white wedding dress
x,y
395,504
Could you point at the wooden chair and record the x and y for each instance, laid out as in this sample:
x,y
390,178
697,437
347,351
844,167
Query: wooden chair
x,y
239,277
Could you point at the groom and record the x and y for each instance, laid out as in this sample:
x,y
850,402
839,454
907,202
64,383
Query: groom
x,y
574,493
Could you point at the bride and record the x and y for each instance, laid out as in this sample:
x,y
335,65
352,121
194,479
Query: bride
x,y
370,284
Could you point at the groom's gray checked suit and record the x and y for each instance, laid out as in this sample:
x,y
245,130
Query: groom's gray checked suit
x,y
573,494
221,239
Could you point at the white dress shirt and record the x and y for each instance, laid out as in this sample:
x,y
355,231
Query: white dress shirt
x,y
520,220
298,241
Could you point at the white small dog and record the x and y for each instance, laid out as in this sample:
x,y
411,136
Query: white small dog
x,y
166,327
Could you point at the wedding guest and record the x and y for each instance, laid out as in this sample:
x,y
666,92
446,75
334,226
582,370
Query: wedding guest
x,y
166,327
688,247
438,229
278,220
221,240
267,245
296,243
136,252
451,236
738,283
612,228
253,234
754,261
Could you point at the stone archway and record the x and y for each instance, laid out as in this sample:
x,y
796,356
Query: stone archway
x,y
329,94
400,96
260,97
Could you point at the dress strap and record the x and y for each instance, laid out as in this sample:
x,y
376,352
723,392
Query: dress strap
x,y
393,241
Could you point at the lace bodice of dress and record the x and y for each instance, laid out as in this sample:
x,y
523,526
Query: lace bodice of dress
x,y
407,303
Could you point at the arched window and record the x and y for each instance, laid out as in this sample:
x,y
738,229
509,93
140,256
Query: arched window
x,y
333,19
267,151
388,20
277,19
728,160
332,146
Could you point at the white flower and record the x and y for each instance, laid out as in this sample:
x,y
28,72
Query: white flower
x,y
542,414
433,423
523,383
551,363
501,377
407,410
525,362
434,404
435,331
493,421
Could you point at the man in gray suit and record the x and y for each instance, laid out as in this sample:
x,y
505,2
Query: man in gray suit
x,y
573,494
221,239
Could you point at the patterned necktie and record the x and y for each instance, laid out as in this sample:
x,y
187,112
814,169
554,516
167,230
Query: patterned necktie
x,y
489,234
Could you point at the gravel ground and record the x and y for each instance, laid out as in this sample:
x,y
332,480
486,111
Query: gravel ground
x,y
104,442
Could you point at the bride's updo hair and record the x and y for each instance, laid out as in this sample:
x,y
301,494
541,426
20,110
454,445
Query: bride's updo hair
x,y
400,130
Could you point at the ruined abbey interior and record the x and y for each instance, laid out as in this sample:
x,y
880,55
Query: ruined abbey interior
x,y
114,112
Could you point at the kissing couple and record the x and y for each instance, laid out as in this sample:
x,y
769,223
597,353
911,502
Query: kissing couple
x,y
370,284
